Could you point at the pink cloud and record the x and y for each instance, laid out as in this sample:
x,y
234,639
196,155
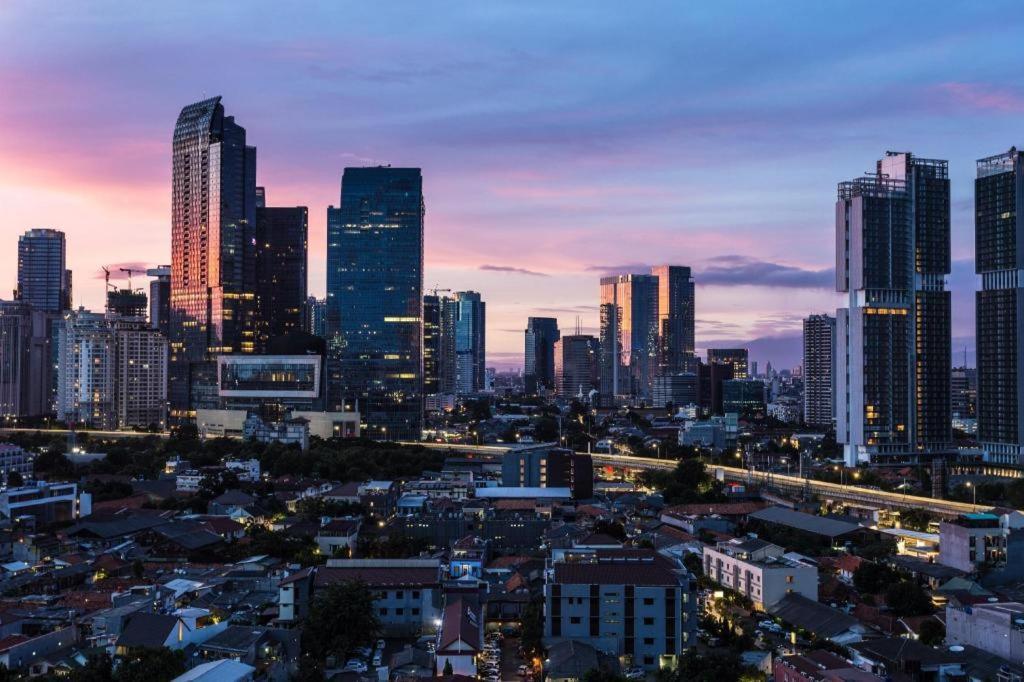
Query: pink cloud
x,y
983,96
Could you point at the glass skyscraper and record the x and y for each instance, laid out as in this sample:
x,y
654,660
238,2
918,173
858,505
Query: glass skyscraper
x,y
375,300
893,341
539,356
675,319
470,342
629,335
213,251
999,238
281,264
44,282
438,344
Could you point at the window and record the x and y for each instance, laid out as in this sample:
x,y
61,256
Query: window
x,y
415,612
789,579
415,594
648,601
399,611
648,621
575,620
383,612
648,660
399,594
648,641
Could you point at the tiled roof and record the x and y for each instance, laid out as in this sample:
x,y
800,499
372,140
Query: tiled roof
x,y
461,622
720,508
376,576
147,630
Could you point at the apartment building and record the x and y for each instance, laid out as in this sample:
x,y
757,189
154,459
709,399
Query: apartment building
x,y
760,571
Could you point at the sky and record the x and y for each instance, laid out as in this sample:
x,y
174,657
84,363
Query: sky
x,y
559,141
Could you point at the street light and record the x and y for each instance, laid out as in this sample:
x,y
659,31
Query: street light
x,y
974,494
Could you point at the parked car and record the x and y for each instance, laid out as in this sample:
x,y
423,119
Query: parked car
x,y
636,674
381,644
523,670
355,666
378,658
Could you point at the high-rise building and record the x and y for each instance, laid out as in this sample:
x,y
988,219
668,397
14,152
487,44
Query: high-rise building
x,y
737,357
15,350
743,396
710,378
44,282
316,316
893,341
629,335
439,315
819,384
676,321
576,366
160,299
964,392
375,300
112,372
677,390
281,247
213,251
999,258
470,342
539,357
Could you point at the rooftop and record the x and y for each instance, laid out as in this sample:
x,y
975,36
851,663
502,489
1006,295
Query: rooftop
x,y
817,525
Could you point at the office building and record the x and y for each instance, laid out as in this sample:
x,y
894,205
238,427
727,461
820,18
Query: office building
x,y
676,307
48,502
160,299
675,390
760,571
281,270
626,602
44,282
439,314
270,384
629,335
819,348
28,378
316,316
140,394
964,392
470,343
710,378
743,396
737,357
576,366
999,224
375,300
14,459
539,355
213,251
893,340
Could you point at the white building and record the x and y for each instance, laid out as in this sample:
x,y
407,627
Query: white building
x,y
760,571
246,469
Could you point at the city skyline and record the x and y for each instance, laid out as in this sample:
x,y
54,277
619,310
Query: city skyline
x,y
527,199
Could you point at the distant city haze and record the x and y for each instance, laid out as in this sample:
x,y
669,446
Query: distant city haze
x,y
557,145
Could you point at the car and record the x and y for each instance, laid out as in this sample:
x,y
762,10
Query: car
x,y
523,670
767,624
636,674
354,666
378,658
364,651
381,644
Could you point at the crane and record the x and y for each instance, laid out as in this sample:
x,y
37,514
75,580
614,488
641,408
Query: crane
x,y
129,271
436,290
106,276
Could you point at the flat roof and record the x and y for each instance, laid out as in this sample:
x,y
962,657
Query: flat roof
x,y
818,525
502,491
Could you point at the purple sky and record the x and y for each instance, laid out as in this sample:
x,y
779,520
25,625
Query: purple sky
x,y
558,141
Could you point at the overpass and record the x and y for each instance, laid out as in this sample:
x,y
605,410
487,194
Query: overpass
x,y
794,485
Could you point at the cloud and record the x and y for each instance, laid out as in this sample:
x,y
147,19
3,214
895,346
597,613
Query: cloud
x,y
736,270
569,310
138,270
611,270
984,97
508,268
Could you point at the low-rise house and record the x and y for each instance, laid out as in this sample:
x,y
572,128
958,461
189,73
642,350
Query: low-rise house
x,y
241,643
891,656
337,537
632,603
468,557
407,591
826,531
760,571
460,638
225,670
570,660
819,666
152,631
823,621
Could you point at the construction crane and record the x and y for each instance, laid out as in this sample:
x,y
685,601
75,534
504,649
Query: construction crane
x,y
106,276
436,290
130,271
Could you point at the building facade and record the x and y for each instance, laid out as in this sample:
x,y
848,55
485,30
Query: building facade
x,y
893,340
676,319
44,282
470,342
213,251
629,335
375,300
738,358
759,571
819,350
160,299
999,306
281,269
439,345
539,354
677,390
576,366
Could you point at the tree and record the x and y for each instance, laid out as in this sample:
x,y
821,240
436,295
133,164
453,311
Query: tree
x,y
693,564
138,569
98,668
448,670
694,667
14,479
601,675
533,626
872,578
932,632
341,618
907,598
151,665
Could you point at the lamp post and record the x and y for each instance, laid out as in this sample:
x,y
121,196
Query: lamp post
x,y
974,495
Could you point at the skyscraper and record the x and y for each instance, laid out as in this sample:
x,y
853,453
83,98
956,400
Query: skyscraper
x,y
281,248
737,357
576,365
438,344
44,282
893,341
629,335
15,349
160,299
213,251
675,319
375,299
999,240
470,342
819,349
316,316
539,357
